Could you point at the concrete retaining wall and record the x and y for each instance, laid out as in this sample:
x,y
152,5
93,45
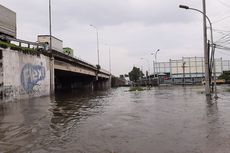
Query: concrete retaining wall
x,y
24,75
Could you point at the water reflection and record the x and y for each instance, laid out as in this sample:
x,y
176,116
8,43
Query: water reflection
x,y
69,110
162,120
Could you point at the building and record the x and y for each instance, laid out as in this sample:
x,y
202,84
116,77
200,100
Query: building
x,y
57,44
188,69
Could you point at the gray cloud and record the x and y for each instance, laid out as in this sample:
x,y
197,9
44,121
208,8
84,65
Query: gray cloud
x,y
108,12
133,28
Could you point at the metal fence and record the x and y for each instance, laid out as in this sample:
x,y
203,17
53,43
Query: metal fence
x,y
190,68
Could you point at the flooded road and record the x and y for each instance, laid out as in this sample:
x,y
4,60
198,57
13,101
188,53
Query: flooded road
x,y
160,120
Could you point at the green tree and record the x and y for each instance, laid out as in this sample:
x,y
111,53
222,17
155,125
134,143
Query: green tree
x,y
225,75
135,74
121,76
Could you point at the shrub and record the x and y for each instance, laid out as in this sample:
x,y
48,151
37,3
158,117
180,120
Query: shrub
x,y
28,50
14,47
25,50
98,67
4,44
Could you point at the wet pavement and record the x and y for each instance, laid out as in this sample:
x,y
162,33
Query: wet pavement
x,y
160,120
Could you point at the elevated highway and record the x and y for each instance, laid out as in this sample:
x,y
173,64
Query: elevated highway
x,y
70,72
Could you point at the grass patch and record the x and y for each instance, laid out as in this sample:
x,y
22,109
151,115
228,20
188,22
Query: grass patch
x,y
136,89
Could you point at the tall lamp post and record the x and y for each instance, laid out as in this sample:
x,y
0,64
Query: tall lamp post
x,y
147,76
98,60
109,61
50,27
206,53
109,58
52,81
147,63
155,55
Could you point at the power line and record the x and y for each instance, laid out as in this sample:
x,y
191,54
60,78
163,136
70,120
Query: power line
x,y
222,47
220,30
225,38
223,3
223,53
224,18
222,39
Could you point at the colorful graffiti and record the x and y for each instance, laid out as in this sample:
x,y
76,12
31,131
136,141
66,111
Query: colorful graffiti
x,y
31,75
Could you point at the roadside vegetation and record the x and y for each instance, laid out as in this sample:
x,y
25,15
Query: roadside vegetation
x,y
26,50
136,89
135,74
225,75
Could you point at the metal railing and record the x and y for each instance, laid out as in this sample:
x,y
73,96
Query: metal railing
x,y
45,47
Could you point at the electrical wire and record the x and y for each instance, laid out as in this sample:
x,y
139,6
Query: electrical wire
x,y
223,3
220,30
224,39
222,47
223,53
220,20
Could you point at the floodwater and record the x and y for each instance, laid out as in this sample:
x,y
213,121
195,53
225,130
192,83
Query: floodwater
x,y
160,120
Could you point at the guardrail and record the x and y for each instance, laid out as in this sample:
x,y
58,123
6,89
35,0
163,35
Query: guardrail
x,y
28,43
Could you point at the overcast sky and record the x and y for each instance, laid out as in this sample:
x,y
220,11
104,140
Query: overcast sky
x,y
132,29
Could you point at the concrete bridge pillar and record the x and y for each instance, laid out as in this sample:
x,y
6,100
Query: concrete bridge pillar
x,y
92,86
102,84
52,75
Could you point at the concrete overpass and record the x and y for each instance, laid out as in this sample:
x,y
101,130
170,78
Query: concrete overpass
x,y
71,64
28,70
71,72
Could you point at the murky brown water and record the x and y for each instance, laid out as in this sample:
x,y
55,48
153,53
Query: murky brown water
x,y
160,120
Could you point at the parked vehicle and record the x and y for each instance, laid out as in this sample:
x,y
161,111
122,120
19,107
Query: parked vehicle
x,y
218,81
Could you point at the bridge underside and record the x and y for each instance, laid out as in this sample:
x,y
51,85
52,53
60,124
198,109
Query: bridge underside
x,y
67,80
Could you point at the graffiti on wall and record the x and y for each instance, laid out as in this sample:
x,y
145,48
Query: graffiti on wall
x,y
31,75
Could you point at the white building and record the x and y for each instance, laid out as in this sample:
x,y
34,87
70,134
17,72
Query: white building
x,y
194,69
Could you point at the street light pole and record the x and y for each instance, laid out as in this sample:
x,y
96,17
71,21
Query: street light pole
x,y
52,80
109,58
183,67
109,61
153,66
155,55
148,77
206,53
98,57
147,63
50,27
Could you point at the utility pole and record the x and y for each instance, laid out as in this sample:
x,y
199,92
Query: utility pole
x,y
109,61
214,71
206,54
183,67
98,56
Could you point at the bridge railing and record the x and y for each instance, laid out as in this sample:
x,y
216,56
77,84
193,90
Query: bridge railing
x,y
80,59
43,46
20,42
